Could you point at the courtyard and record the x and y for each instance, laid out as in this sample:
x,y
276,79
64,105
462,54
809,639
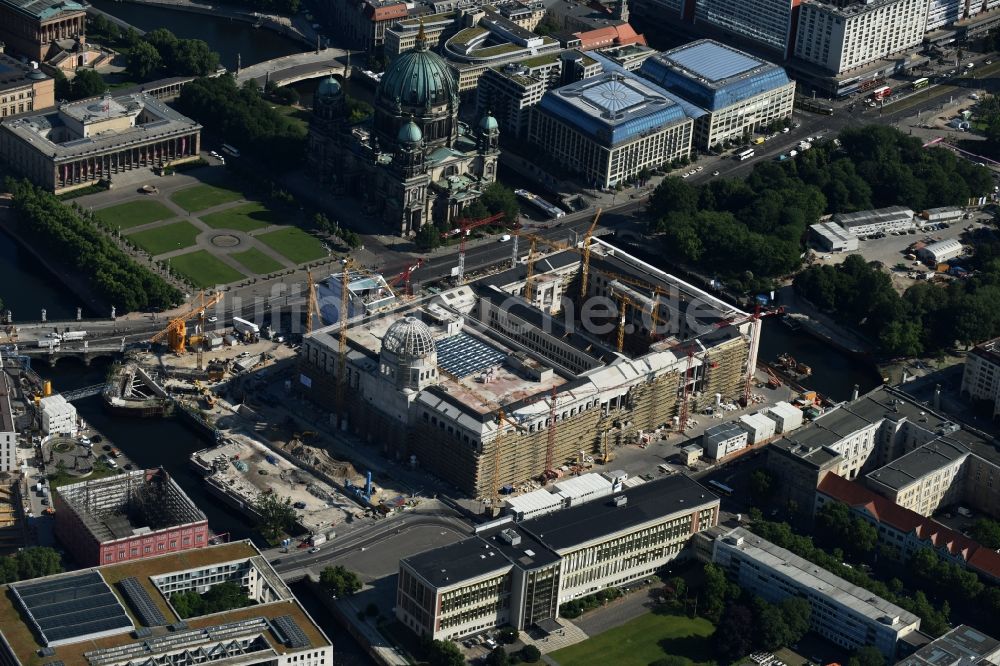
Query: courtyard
x,y
211,234
643,640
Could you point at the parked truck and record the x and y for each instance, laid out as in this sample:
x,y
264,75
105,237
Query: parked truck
x,y
50,343
74,335
244,327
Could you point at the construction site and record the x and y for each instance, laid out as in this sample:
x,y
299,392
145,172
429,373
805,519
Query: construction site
x,y
129,516
533,371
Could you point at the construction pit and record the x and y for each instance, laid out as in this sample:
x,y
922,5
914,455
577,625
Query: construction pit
x,y
240,469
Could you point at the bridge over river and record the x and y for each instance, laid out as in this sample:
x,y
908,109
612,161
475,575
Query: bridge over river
x,y
298,67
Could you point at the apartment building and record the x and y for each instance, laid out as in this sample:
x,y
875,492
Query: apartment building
x,y
842,38
843,613
519,573
925,479
766,23
981,376
737,92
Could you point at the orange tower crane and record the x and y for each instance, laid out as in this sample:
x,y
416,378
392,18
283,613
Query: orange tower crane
x,y
176,331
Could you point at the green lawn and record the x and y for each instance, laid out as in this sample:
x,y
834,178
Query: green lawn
x,y
294,244
257,262
201,197
242,218
133,214
643,640
166,238
204,270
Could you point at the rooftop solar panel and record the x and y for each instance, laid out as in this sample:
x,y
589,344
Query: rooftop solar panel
x,y
289,632
141,603
72,608
462,355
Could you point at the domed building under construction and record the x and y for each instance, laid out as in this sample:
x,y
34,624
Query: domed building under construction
x,y
415,163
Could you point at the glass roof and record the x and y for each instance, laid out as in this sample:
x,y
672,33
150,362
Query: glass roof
x,y
711,60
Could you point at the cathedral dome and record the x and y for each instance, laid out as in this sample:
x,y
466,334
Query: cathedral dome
x,y
328,87
408,338
489,123
418,79
410,133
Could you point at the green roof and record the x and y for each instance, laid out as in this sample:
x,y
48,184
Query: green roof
x,y
499,49
429,19
44,9
467,35
538,61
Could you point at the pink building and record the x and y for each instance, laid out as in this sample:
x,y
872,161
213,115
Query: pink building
x,y
126,517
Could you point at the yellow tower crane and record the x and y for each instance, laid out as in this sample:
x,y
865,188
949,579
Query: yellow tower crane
x,y
585,267
312,309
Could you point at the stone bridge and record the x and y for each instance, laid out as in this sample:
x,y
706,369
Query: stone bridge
x,y
298,67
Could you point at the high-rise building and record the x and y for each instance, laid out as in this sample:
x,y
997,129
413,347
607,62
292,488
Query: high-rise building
x,y
843,38
766,23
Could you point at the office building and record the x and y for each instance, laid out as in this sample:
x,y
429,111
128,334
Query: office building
x,y
510,91
8,429
941,251
981,375
416,164
608,128
519,573
130,516
904,532
23,87
84,142
622,34
900,448
38,29
831,237
122,614
363,23
843,613
879,220
765,23
629,57
738,93
425,380
941,13
723,440
961,646
841,37
58,416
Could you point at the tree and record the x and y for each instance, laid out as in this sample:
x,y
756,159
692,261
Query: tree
x,y
761,484
217,599
498,198
497,657
771,629
797,613
868,655
985,531
428,237
444,653
144,61
530,654
508,634
713,593
192,57
87,83
277,515
339,582
733,636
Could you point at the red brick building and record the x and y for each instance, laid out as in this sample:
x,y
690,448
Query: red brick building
x,y
126,517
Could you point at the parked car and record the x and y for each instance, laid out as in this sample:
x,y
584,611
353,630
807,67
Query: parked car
x,y
314,550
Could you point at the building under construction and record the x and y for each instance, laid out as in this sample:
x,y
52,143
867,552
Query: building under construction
x,y
128,516
549,363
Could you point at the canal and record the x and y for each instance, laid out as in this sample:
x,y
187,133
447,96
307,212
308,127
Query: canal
x,y
227,36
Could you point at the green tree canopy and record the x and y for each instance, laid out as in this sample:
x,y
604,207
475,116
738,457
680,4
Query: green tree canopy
x,y
277,515
339,581
144,61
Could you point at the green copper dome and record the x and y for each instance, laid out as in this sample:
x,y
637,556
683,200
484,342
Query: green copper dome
x,y
418,78
328,87
410,133
489,123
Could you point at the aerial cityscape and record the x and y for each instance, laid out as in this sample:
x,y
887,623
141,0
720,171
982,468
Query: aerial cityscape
x,y
575,332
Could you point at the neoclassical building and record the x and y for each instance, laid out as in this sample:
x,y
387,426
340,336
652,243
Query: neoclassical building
x,y
414,163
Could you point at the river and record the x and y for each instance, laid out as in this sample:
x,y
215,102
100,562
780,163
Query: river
x,y
26,287
227,36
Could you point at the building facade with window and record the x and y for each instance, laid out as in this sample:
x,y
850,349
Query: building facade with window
x,y
23,87
766,23
843,613
39,29
737,92
518,573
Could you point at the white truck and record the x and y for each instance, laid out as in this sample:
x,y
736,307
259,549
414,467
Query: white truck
x,y
74,335
243,326
50,343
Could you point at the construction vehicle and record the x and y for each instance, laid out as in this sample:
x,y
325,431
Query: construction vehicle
x,y
176,331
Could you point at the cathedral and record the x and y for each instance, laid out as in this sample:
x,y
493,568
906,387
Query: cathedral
x,y
414,163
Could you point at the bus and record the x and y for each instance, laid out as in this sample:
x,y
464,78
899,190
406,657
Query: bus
x,y
229,150
881,93
720,488
921,83
745,154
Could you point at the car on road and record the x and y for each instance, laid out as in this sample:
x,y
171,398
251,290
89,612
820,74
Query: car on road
x,y
685,175
314,550
212,320
715,173
213,153
785,130
699,168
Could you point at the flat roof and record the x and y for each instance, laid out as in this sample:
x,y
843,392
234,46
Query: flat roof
x,y
713,75
578,525
874,216
583,485
49,133
25,643
809,576
724,431
44,9
17,74
613,107
832,231
962,646
918,463
6,415
536,500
